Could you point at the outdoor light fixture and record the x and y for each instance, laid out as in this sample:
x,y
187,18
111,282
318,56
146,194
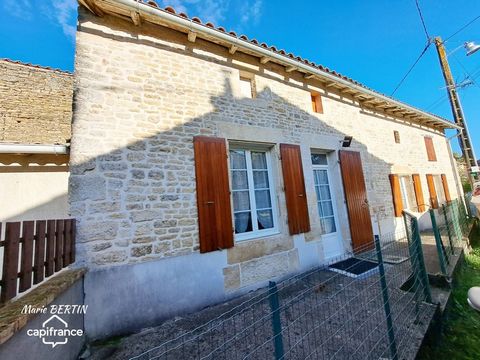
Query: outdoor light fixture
x,y
471,47
347,140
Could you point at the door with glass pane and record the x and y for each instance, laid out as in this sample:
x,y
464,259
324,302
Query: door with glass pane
x,y
332,241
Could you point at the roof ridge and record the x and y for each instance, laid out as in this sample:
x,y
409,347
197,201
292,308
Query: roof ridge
x,y
43,67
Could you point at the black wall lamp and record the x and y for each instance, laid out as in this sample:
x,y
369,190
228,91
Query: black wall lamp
x,y
347,141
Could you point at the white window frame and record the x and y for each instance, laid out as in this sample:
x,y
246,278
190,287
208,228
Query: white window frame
x,y
438,183
251,192
332,193
404,192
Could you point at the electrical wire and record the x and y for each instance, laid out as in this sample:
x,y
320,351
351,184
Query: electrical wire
x,y
462,28
411,68
423,20
429,41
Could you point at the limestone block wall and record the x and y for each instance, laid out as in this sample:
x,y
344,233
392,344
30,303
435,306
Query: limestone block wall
x,y
142,93
35,104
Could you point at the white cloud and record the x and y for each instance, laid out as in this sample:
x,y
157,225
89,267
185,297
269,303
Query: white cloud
x,y
19,8
251,11
206,10
65,13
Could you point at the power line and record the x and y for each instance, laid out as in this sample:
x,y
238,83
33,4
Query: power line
x,y
423,20
411,68
462,28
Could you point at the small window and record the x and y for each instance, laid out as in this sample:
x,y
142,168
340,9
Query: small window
x,y
408,193
430,149
317,105
247,87
396,135
253,202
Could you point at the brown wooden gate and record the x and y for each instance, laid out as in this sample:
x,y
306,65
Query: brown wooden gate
x,y
357,202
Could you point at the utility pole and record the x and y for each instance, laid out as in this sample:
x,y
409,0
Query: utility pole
x,y
464,138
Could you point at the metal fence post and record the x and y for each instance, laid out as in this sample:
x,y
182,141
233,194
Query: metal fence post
x,y
276,321
438,242
386,301
421,262
449,230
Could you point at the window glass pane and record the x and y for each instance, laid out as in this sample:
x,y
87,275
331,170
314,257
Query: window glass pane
x,y
408,193
319,159
320,210
327,208
262,199
324,192
324,201
239,180
328,225
243,222
321,177
260,179
237,159
241,201
437,179
265,219
259,160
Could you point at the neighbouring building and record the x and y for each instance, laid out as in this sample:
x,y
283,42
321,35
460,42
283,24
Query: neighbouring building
x,y
35,128
204,164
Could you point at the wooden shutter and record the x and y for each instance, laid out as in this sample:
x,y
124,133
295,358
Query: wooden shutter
x,y
430,149
294,184
445,188
213,194
432,191
396,194
417,185
357,202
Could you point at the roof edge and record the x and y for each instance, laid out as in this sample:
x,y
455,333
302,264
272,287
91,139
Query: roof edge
x,y
41,67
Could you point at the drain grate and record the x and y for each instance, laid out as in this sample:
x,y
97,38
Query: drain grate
x,y
355,268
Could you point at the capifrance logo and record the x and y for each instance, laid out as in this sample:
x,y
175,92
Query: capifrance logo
x,y
55,330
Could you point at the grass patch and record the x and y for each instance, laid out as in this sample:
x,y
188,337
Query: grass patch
x,y
460,335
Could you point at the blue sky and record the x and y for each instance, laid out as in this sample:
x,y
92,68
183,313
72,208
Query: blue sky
x,y
372,41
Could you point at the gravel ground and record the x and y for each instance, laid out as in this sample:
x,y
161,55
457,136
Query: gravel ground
x,y
324,315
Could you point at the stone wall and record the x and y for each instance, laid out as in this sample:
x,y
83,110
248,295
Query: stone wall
x,y
142,93
35,103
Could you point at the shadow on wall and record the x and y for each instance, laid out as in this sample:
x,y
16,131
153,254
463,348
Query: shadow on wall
x,y
142,192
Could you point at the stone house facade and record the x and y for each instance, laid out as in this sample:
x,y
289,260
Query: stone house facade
x,y
203,167
35,129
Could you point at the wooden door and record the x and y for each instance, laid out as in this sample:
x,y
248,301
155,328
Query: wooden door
x,y
357,202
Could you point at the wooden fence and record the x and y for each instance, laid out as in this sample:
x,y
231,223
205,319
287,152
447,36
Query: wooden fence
x,y
34,250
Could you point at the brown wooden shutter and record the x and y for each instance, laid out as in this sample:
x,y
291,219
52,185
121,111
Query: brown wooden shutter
x,y
213,194
396,194
417,185
445,188
432,156
432,191
294,184
358,209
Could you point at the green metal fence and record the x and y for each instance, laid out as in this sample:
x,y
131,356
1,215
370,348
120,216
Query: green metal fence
x,y
320,314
